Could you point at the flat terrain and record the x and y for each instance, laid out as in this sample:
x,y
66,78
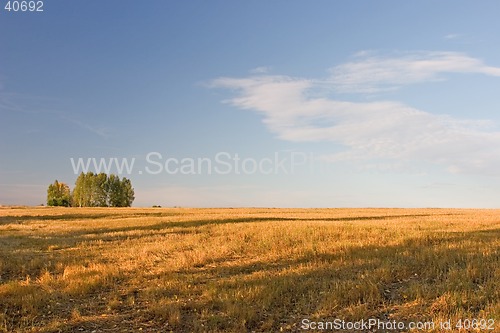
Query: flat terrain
x,y
239,270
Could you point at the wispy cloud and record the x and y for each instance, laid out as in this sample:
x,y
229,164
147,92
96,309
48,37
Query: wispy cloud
x,y
293,109
260,70
370,72
101,131
38,105
452,36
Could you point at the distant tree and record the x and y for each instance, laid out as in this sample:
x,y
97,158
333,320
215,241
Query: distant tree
x,y
127,193
115,195
81,192
58,194
101,190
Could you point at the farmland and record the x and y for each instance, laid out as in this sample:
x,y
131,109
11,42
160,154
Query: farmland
x,y
245,269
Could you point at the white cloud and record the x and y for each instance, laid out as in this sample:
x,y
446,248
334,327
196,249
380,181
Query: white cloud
x,y
292,109
370,72
260,70
452,36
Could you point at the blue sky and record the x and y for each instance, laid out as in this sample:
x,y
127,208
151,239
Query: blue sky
x,y
394,104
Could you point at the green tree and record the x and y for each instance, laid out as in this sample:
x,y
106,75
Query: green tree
x,y
81,192
121,192
101,190
58,194
114,191
127,193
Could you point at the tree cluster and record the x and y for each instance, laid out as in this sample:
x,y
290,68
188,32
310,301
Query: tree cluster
x,y
58,194
93,190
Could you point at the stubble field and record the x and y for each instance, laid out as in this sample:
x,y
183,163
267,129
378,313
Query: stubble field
x,y
244,270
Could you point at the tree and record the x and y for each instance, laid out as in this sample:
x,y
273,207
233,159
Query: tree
x,y
127,193
120,192
101,190
81,192
58,194
114,191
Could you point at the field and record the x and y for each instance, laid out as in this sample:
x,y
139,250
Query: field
x,y
244,270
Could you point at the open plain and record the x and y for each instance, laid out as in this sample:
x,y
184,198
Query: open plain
x,y
246,269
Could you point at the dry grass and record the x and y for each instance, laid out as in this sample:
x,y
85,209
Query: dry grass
x,y
239,270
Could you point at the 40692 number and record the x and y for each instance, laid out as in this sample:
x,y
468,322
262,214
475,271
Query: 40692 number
x,y
24,6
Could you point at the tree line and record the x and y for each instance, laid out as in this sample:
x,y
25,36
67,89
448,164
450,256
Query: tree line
x,y
92,190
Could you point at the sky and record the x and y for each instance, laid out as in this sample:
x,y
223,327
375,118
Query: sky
x,y
255,103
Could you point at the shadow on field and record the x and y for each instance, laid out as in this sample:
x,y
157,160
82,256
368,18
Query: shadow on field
x,y
79,217
116,215
407,252
209,222
433,276
352,283
39,239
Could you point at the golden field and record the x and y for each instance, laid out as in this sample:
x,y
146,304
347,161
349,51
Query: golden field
x,y
244,270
